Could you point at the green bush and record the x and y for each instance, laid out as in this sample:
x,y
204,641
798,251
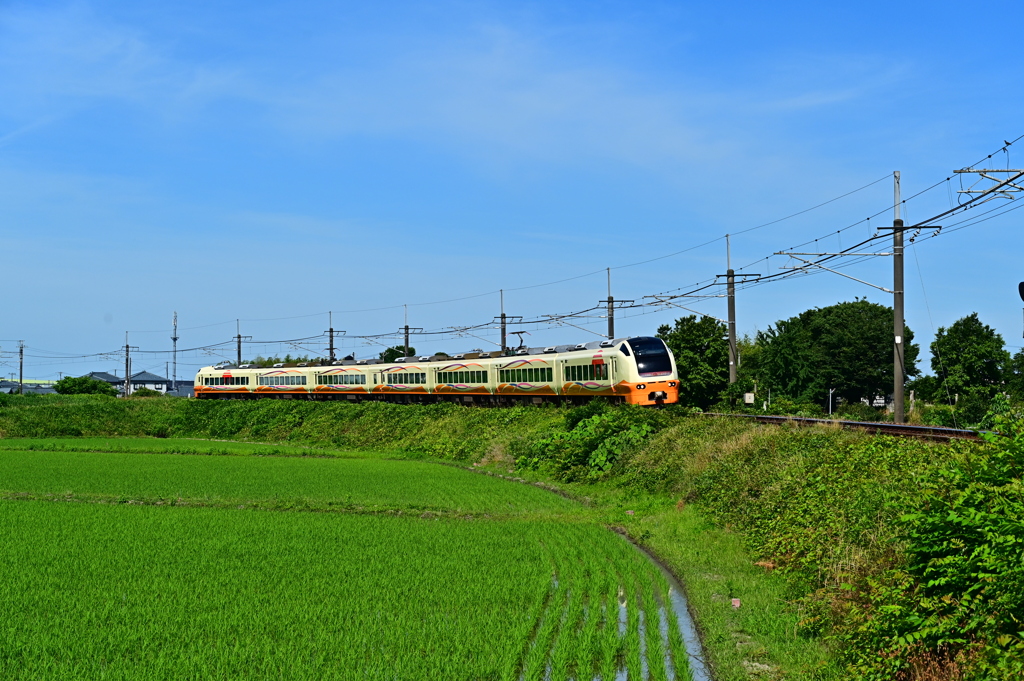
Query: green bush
x,y
959,601
858,411
146,392
84,385
592,445
941,415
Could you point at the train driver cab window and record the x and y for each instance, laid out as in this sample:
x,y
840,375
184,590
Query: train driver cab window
x,y
652,358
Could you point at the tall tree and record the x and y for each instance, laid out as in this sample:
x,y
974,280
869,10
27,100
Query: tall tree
x,y
847,347
702,357
969,356
393,353
1015,375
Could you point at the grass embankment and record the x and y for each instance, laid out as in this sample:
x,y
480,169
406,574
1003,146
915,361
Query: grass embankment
x,y
443,431
809,529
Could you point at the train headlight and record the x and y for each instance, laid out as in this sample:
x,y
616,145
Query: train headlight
x,y
641,386
672,384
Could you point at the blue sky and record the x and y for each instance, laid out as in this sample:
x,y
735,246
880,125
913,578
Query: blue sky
x,y
270,162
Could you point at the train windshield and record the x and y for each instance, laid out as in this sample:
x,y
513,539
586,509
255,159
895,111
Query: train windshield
x,y
652,358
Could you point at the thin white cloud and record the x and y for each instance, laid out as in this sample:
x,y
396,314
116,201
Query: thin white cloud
x,y
508,94
56,59
494,94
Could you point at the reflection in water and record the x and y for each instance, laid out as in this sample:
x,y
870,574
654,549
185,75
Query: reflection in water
x,y
676,601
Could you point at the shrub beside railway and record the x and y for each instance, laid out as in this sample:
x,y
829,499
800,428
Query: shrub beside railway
x,y
904,555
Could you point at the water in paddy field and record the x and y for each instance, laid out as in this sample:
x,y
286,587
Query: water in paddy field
x,y
694,649
674,599
691,641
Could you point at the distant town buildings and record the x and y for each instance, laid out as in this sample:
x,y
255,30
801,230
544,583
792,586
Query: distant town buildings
x,y
145,379
142,379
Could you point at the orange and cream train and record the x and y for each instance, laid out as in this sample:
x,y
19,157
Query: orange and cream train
x,y
631,370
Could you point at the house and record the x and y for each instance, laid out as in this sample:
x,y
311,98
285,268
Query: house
x,y
145,379
141,379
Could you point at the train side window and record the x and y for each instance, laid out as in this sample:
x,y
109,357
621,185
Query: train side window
x,y
624,350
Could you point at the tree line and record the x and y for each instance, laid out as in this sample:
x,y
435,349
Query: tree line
x,y
841,357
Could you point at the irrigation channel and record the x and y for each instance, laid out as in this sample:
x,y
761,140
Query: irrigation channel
x,y
691,639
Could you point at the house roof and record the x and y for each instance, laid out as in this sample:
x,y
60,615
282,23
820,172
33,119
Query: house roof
x,y
40,390
147,377
105,377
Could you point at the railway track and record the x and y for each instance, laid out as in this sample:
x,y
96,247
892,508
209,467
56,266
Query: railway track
x,y
897,430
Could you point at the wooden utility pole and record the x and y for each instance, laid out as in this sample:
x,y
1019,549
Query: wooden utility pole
x,y
21,367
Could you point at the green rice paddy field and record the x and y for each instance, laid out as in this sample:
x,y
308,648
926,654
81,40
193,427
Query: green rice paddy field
x,y
159,559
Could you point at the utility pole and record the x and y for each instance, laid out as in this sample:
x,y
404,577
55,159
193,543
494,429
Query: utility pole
x,y
406,330
21,367
611,306
897,290
127,366
730,283
330,330
898,302
898,324
238,339
505,319
731,292
174,353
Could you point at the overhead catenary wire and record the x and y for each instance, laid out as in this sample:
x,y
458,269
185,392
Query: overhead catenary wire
x,y
698,291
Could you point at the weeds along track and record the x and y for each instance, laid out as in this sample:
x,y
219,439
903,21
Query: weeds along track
x,y
933,433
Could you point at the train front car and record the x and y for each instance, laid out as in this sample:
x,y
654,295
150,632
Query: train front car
x,y
650,377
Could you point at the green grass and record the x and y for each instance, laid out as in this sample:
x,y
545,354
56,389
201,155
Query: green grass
x,y
366,485
532,586
715,568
